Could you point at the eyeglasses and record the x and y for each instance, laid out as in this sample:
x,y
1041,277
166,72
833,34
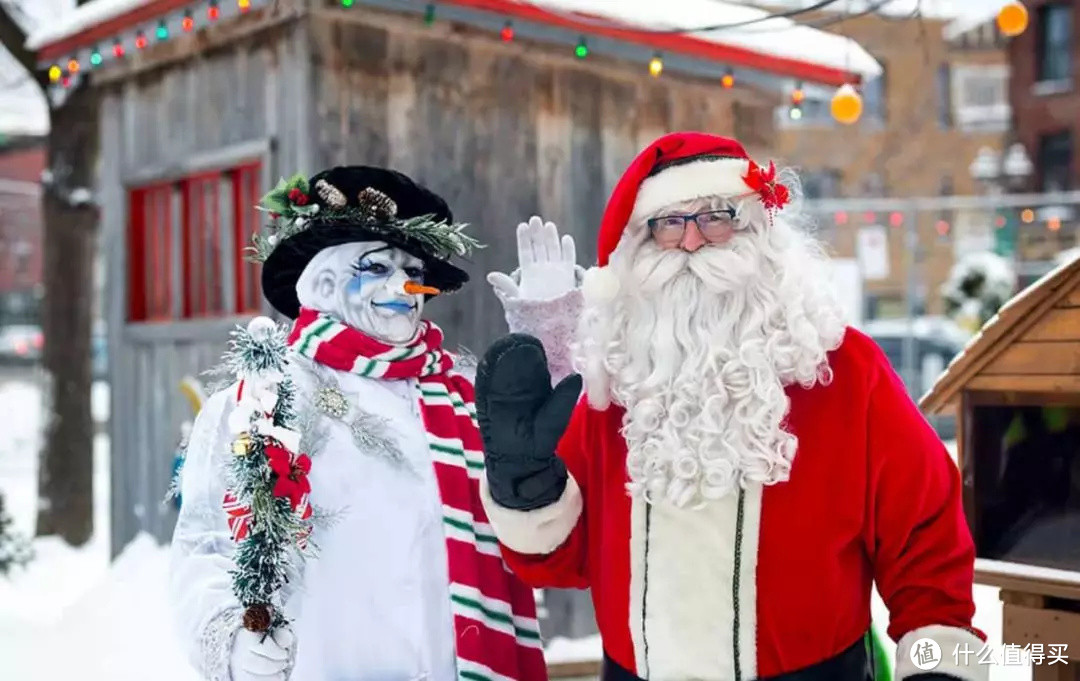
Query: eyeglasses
x,y
714,225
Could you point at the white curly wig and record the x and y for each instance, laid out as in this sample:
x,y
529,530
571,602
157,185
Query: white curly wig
x,y
698,349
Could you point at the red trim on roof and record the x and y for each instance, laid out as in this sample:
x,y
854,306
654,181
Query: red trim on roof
x,y
672,43
107,29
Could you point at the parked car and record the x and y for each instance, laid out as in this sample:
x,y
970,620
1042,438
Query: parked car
x,y
21,344
937,340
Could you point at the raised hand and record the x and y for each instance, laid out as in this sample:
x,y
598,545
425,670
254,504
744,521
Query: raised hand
x,y
547,267
522,418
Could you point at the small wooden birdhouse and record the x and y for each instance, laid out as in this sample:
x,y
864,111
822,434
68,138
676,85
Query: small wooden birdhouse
x,y
1015,390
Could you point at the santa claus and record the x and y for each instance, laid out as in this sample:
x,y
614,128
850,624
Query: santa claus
x,y
744,468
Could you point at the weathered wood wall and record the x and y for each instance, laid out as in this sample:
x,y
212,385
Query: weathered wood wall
x,y
502,131
208,112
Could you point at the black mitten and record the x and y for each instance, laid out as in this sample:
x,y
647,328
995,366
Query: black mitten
x,y
522,418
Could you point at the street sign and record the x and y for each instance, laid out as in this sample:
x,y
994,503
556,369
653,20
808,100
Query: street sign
x,y
872,252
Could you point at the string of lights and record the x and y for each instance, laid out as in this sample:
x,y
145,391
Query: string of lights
x,y
787,14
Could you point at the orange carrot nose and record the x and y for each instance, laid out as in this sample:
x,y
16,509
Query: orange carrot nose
x,y
412,288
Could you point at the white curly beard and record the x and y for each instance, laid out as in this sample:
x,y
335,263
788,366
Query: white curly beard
x,y
699,347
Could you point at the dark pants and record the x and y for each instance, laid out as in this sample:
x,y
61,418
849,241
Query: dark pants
x,y
854,664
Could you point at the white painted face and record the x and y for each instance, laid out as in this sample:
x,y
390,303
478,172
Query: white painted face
x,y
362,284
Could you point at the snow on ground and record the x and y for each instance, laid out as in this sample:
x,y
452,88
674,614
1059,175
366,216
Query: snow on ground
x,y
72,615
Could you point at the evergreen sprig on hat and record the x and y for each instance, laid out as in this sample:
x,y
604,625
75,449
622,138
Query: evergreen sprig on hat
x,y
290,207
348,204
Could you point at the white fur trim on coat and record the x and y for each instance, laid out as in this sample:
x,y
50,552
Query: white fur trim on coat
x,y
954,661
698,612
688,181
537,532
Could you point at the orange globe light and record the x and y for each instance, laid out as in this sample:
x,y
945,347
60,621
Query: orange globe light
x,y
846,105
1012,19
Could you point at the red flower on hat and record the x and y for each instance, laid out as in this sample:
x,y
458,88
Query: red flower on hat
x,y
298,197
774,195
292,481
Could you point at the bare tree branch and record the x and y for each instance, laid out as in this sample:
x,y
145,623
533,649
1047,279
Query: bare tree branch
x,y
13,38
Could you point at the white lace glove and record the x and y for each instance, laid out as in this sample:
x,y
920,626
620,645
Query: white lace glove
x,y
257,659
546,264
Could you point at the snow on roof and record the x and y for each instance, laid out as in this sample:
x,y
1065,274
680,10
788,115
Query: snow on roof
x,y
777,37
929,9
962,25
80,19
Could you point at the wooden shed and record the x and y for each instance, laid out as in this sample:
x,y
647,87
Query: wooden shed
x,y
1016,392
507,108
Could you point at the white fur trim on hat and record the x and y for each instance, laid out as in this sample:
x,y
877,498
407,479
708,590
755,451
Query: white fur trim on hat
x,y
688,181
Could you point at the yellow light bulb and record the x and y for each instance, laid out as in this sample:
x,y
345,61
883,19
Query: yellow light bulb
x,y
656,66
55,73
846,105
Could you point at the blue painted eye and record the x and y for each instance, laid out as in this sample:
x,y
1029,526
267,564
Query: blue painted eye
x,y
376,268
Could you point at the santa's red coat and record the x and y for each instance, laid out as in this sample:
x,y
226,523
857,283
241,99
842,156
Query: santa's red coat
x,y
775,579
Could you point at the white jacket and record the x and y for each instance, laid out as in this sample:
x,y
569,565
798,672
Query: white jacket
x,y
373,605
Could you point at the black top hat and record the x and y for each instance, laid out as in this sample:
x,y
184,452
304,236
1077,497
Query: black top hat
x,y
355,203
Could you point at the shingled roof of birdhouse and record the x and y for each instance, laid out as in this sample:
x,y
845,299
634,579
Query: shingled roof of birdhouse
x,y
1028,316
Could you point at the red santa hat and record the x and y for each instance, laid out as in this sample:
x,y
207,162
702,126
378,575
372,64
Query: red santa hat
x,y
680,166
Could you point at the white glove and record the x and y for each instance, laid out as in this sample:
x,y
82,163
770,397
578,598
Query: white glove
x,y
546,264
257,659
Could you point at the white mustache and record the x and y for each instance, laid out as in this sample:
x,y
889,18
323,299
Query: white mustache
x,y
718,268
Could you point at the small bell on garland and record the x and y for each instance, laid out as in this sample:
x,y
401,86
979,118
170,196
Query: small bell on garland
x,y
257,618
241,445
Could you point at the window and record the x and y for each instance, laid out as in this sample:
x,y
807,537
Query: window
x,y
21,251
980,97
873,95
1055,161
873,185
186,247
821,184
1055,42
246,193
944,96
202,275
150,247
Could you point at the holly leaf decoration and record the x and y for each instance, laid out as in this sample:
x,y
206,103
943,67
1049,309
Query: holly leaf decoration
x,y
273,203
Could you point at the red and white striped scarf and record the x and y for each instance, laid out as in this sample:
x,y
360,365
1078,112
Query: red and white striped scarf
x,y
497,634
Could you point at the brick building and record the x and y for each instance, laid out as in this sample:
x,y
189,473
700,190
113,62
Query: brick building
x,y
942,97
1045,92
21,163
1045,95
